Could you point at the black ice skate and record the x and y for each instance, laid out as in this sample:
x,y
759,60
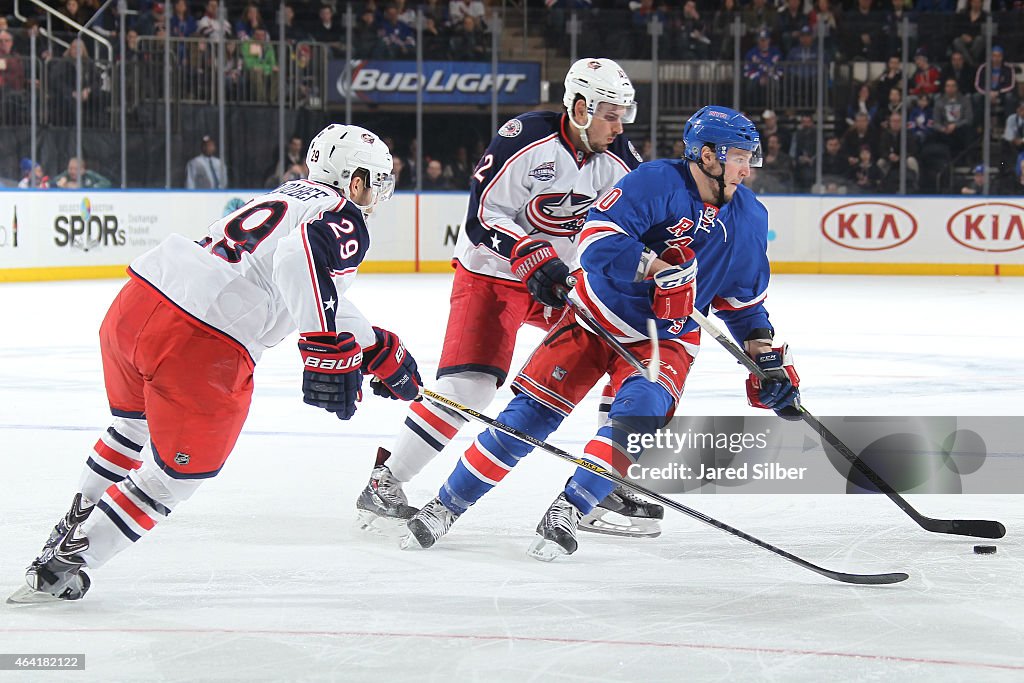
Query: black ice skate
x,y
623,513
57,573
431,523
382,506
556,533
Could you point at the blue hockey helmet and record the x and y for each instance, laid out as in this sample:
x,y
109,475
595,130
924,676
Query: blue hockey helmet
x,y
723,128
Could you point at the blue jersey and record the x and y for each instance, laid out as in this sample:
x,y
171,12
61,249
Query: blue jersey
x,y
657,208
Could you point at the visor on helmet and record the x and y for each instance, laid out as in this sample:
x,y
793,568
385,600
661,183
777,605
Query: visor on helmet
x,y
611,112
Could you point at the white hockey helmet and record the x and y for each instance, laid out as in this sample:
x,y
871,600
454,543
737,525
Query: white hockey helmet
x,y
599,80
339,151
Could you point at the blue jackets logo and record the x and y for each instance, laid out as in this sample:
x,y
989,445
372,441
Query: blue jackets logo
x,y
561,215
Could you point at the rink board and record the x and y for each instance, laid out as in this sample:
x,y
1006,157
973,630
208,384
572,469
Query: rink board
x,y
53,235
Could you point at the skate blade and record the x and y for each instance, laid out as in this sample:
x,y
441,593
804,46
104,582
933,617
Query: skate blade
x,y
410,542
614,524
544,550
388,527
26,595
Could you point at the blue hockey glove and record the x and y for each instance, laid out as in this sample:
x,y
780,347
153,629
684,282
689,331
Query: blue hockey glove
x,y
781,392
393,367
330,375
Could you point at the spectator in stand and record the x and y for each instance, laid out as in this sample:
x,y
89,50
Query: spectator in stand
x,y
641,14
458,9
835,169
433,177
468,43
76,177
366,40
693,34
859,135
206,171
976,185
12,69
926,76
460,169
32,175
776,168
803,61
953,118
829,17
294,164
892,36
398,170
866,175
958,70
970,22
182,23
251,21
325,30
893,105
209,26
1013,135
920,120
293,31
891,78
863,103
759,17
62,86
802,150
260,65
888,156
435,43
770,126
397,39
73,10
1002,84
789,23
721,29
149,22
860,30
761,70
1017,187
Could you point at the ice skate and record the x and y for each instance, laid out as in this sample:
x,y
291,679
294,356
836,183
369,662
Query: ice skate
x,y
382,506
623,513
431,523
57,573
556,533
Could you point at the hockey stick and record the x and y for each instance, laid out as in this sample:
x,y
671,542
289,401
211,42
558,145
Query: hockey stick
x,y
981,528
863,579
651,370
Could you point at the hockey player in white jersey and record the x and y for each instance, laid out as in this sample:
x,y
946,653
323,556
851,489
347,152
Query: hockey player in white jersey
x,y
529,195
180,342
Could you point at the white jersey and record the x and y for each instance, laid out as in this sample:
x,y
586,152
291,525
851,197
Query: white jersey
x,y
279,263
532,181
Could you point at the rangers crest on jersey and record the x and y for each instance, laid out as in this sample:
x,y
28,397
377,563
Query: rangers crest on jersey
x,y
558,214
512,128
544,172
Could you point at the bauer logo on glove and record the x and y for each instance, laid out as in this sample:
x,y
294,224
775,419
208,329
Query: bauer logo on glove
x,y
394,369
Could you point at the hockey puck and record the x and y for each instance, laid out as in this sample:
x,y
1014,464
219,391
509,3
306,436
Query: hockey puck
x,y
984,549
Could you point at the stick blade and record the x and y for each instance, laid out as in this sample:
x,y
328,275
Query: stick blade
x,y
870,579
978,528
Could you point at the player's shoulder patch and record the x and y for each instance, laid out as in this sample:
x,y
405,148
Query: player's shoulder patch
x,y
511,129
632,150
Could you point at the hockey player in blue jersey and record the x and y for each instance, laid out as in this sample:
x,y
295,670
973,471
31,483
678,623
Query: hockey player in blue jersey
x,y
639,249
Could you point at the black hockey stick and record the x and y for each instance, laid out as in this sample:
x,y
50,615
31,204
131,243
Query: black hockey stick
x,y
893,577
981,528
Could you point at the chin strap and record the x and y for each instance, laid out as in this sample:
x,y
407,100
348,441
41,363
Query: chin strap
x,y
583,131
720,179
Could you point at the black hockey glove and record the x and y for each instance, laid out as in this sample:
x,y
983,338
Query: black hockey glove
x,y
393,367
781,392
536,264
330,375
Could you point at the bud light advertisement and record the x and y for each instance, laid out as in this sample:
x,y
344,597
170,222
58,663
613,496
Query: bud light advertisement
x,y
387,82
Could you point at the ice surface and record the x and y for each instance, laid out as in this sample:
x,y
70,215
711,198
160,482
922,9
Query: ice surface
x,y
263,576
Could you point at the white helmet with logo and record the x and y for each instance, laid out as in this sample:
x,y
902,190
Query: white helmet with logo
x,y
339,151
597,81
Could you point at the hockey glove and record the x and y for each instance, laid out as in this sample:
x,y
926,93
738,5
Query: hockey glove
x,y
330,375
781,392
535,263
394,368
675,288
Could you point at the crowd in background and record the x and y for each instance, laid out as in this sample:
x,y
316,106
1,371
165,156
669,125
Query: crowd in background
x,y
943,113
